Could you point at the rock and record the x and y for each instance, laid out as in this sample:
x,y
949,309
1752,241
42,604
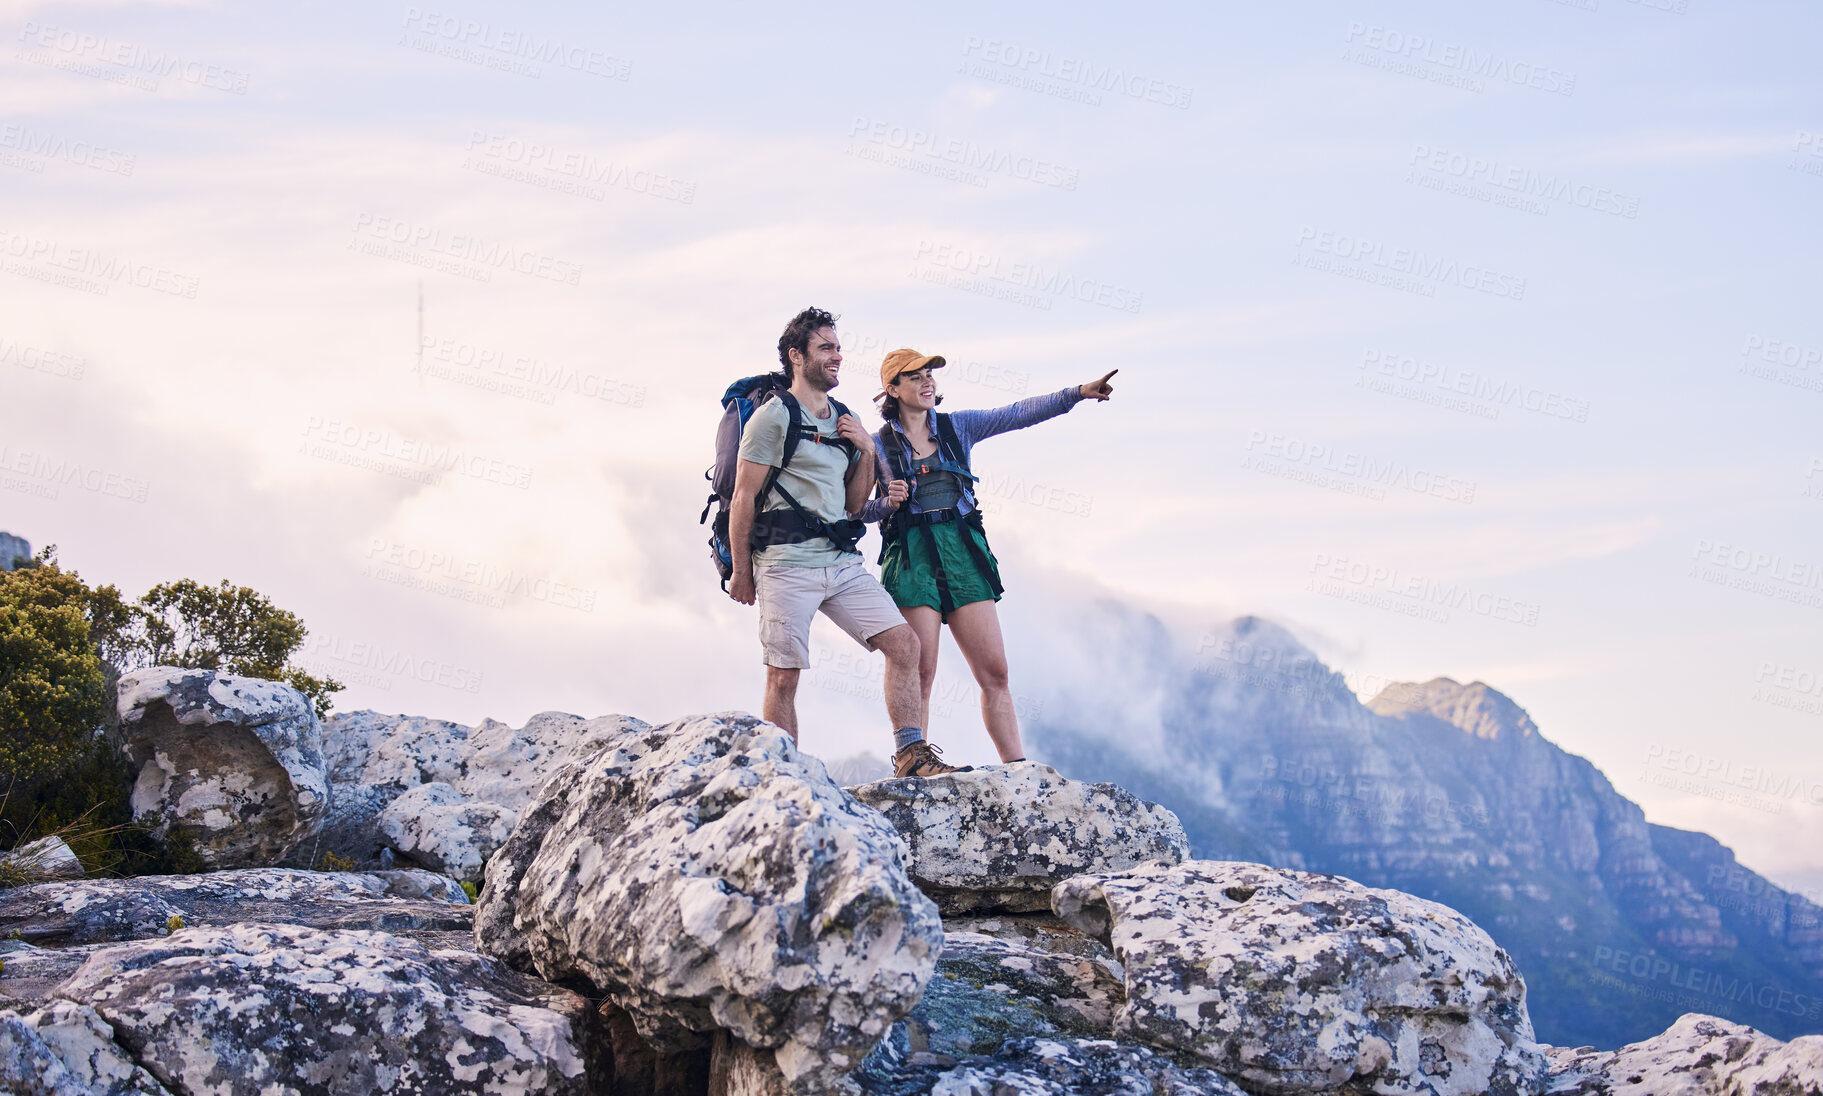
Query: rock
x,y
707,875
985,992
374,759
43,859
252,1009
1001,838
105,910
67,1049
437,826
1033,930
11,549
1073,1067
234,764
29,976
1298,983
1698,1056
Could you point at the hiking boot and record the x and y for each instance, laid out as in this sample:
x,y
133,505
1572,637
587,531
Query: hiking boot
x,y
920,759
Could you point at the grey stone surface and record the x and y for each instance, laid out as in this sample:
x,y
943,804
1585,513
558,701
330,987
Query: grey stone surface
x,y
439,827
1290,982
255,1009
707,875
1697,1056
1000,838
102,910
67,1049
234,764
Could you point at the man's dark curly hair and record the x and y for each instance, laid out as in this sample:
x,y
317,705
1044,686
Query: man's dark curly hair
x,y
797,335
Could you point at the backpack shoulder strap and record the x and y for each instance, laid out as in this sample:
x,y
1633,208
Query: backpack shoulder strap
x,y
947,439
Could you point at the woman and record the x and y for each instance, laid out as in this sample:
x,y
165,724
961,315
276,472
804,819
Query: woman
x,y
935,561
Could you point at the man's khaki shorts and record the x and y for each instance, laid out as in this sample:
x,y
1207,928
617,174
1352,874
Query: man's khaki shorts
x,y
789,597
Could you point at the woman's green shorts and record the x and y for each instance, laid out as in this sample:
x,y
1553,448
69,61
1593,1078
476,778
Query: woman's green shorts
x,y
954,576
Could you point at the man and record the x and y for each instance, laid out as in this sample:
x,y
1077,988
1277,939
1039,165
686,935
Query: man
x,y
804,559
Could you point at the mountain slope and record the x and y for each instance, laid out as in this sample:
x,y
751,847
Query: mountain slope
x,y
1450,792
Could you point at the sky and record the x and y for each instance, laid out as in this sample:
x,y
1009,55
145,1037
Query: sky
x,y
1477,342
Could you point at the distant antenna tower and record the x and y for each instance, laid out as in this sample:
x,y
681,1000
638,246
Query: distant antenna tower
x,y
420,366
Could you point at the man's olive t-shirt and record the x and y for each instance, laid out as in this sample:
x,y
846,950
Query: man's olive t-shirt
x,y
816,477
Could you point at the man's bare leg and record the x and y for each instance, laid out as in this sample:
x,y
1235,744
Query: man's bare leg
x,y
901,647
781,705
928,623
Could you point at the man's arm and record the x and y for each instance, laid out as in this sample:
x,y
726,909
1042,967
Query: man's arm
x,y
749,477
861,468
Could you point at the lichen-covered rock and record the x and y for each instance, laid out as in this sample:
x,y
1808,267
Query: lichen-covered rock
x,y
66,1049
255,1009
707,875
439,827
1040,931
35,861
234,764
987,991
1297,983
1697,1056
374,759
1038,1066
146,906
1001,838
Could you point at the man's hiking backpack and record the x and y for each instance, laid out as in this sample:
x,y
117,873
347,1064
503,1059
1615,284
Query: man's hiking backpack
x,y
791,525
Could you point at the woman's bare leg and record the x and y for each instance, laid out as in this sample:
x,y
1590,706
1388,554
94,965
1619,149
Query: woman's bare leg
x,y
976,629
928,623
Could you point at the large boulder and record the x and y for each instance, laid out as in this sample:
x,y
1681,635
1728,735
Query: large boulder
x,y
146,906
67,1049
707,876
493,768
1697,1056
255,1009
1000,839
1291,982
439,827
232,764
40,860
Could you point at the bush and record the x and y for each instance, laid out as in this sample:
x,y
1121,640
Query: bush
x,y
63,647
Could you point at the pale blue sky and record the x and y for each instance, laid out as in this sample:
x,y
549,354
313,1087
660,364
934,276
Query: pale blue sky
x,y
1512,306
